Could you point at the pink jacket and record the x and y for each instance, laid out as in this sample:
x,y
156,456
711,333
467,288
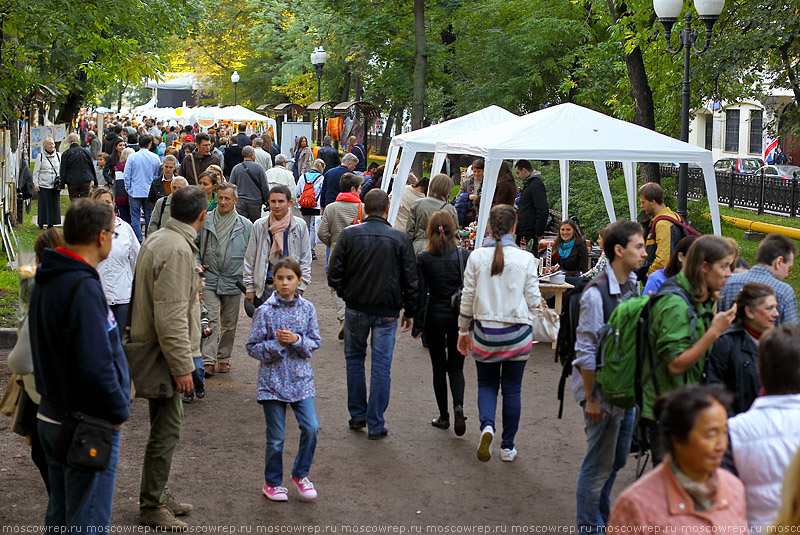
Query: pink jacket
x,y
659,500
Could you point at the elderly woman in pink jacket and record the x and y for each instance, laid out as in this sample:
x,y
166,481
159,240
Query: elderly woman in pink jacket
x,y
688,488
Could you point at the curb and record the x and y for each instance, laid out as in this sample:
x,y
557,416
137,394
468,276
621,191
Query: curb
x,y
8,338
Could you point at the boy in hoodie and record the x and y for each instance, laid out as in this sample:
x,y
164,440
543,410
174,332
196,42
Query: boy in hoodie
x,y
79,364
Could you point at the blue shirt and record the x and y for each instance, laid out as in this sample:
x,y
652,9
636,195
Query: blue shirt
x,y
654,282
140,169
787,303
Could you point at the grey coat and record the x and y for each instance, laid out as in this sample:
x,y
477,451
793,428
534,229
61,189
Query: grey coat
x,y
256,257
421,211
222,273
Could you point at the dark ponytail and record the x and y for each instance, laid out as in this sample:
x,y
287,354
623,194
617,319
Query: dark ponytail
x,y
501,220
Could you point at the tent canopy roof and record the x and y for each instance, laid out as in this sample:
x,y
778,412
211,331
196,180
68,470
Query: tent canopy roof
x,y
175,80
425,139
572,132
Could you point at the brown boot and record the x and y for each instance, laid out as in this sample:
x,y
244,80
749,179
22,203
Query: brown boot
x,y
162,518
177,508
210,370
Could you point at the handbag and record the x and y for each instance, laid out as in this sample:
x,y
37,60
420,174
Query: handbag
x,y
83,442
545,324
57,179
455,299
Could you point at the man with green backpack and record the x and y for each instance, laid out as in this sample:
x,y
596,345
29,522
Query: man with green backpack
x,y
652,345
608,428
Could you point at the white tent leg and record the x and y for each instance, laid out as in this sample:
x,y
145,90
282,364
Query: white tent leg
x,y
391,157
629,169
564,168
406,161
438,163
713,198
490,172
602,177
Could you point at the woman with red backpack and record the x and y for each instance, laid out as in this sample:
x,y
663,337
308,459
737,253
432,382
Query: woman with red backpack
x,y
309,187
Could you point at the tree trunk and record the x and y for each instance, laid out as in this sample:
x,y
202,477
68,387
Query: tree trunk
x,y
359,90
386,138
345,96
420,66
644,113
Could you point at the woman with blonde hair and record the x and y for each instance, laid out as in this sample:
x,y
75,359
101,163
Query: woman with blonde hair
x,y
411,194
788,520
421,211
441,273
501,294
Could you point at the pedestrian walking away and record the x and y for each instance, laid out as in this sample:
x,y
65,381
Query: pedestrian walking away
x,y
77,169
141,169
164,337
309,190
373,269
283,339
441,275
501,294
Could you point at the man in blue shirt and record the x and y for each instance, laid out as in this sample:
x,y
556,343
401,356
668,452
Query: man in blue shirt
x,y
140,170
774,258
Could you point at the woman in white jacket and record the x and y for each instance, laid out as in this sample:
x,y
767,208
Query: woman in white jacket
x,y
116,271
501,294
45,171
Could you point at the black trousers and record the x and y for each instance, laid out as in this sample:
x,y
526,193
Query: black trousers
x,y
446,361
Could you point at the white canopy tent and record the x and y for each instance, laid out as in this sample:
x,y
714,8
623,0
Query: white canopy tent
x,y
424,140
571,132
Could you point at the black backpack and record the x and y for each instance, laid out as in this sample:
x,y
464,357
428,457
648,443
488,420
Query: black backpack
x,y
565,342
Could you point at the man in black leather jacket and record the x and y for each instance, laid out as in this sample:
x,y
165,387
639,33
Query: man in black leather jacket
x,y
77,169
533,208
374,270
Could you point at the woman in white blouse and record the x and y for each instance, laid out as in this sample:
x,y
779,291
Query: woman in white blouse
x,y
45,172
116,271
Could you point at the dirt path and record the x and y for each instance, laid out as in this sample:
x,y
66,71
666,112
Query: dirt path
x,y
418,476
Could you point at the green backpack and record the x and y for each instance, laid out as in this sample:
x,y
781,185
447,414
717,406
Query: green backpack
x,y
624,347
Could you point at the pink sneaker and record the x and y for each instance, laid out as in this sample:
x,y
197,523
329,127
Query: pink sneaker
x,y
305,487
276,494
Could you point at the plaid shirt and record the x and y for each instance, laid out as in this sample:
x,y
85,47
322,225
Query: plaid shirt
x,y
787,303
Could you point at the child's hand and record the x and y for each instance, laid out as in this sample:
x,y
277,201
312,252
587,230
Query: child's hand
x,y
286,336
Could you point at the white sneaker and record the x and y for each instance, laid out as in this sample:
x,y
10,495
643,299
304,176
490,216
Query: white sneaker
x,y
485,446
508,455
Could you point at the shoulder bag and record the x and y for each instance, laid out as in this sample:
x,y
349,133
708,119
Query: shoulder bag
x,y
255,183
57,178
455,299
83,442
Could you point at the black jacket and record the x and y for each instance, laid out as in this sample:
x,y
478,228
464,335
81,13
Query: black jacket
x,y
109,141
233,157
330,185
77,355
157,190
578,260
373,269
533,208
733,363
242,140
439,278
77,166
330,156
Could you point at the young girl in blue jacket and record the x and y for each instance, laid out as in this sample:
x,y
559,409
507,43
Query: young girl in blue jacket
x,y
284,336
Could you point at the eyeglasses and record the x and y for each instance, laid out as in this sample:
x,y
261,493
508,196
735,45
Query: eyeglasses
x,y
114,235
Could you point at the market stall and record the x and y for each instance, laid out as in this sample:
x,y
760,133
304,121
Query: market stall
x,y
425,139
571,132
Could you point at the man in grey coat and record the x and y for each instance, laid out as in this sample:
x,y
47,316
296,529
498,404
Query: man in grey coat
x,y
250,179
223,242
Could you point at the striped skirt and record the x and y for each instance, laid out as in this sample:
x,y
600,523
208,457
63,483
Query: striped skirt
x,y
497,342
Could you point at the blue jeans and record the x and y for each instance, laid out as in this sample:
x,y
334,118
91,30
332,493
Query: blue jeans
x,y
199,370
357,327
137,204
491,375
78,499
275,415
608,445
120,314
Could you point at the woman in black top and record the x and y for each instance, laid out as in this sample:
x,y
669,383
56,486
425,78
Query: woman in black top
x,y
570,251
733,359
440,268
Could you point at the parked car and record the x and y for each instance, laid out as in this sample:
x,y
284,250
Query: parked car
x,y
786,172
747,166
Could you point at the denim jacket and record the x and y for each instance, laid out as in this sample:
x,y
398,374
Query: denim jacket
x,y
285,373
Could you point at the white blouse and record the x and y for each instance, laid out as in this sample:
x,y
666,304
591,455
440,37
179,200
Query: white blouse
x,y
116,271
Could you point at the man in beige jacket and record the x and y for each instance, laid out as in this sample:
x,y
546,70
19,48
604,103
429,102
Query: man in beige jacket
x,y
336,217
166,307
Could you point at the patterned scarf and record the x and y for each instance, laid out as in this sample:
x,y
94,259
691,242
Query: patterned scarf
x,y
703,493
277,227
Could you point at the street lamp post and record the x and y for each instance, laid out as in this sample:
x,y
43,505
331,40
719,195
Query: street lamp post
x,y
668,12
318,59
235,79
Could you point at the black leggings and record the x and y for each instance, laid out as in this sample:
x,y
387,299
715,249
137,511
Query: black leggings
x,y
442,338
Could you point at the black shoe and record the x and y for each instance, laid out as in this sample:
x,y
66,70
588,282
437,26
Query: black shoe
x,y
441,422
200,390
379,435
357,424
460,426
188,398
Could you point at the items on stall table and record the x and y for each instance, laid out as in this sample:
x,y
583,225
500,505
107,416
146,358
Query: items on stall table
x,y
466,236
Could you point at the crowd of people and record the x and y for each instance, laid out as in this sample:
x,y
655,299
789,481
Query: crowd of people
x,y
719,390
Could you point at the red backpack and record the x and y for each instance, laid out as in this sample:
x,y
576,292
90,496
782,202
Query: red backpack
x,y
307,199
686,227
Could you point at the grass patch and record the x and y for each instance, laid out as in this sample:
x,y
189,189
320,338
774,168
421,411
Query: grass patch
x,y
9,279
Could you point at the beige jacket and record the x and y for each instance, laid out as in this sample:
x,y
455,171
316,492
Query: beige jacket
x,y
337,217
256,256
421,212
166,302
